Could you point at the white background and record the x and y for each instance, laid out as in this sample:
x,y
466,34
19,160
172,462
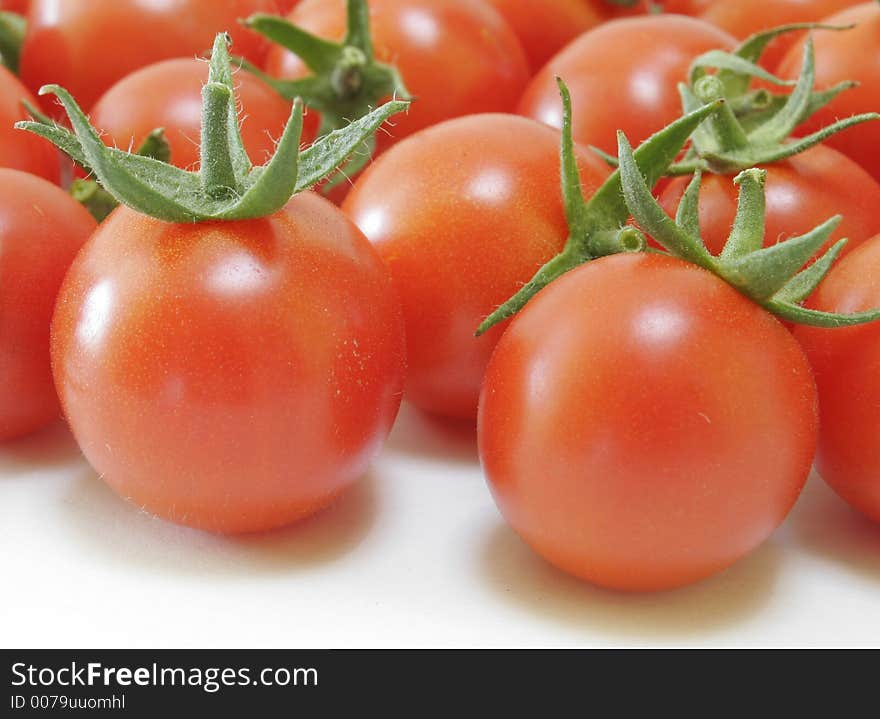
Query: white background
x,y
417,555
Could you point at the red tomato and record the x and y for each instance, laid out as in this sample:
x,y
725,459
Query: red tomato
x,y
622,76
840,56
285,6
643,425
168,95
802,192
458,57
747,17
846,363
19,6
22,150
231,376
544,28
41,230
681,7
88,46
479,213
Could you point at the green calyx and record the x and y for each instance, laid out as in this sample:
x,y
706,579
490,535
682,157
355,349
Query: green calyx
x,y
347,80
12,31
773,277
227,186
598,227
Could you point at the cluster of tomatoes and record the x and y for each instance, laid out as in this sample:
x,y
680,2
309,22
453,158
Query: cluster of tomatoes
x,y
231,349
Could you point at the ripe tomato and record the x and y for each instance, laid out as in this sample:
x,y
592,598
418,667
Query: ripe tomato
x,y
479,213
841,56
802,192
643,425
231,376
87,46
545,28
41,230
747,17
19,6
845,362
21,150
458,57
168,95
622,76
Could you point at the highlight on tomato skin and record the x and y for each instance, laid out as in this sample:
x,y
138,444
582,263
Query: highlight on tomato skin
x,y
480,211
643,425
88,46
248,371
845,362
41,230
168,95
615,87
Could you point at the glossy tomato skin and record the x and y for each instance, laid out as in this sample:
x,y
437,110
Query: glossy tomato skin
x,y
479,213
802,192
41,230
544,28
843,56
847,366
21,150
168,95
19,6
233,377
643,425
622,75
86,47
747,17
457,57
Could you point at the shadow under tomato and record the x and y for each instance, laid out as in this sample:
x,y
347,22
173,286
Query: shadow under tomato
x,y
515,573
427,436
50,446
125,534
827,527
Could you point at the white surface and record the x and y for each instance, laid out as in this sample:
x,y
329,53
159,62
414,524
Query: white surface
x,y
416,556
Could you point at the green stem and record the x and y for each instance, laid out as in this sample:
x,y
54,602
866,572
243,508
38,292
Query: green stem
x,y
217,173
12,31
729,134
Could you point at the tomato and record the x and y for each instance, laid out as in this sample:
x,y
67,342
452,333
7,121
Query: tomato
x,y
643,425
545,28
642,7
457,57
231,376
846,363
478,214
168,95
623,76
21,150
802,192
88,46
842,56
285,6
41,230
19,6
747,17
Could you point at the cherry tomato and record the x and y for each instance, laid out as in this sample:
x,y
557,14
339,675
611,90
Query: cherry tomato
x,y
846,362
22,150
802,192
544,28
622,76
88,46
19,6
479,213
168,95
230,376
458,57
642,7
643,425
746,17
842,56
41,230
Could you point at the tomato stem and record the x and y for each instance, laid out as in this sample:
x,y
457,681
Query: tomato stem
x,y
13,28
